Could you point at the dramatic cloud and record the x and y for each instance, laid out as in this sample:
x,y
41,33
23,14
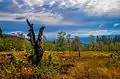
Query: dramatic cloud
x,y
43,17
87,17
99,7
63,12
108,7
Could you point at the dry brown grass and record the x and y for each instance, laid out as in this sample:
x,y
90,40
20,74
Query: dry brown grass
x,y
68,65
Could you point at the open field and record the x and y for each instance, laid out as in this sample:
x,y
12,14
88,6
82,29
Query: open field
x,y
62,65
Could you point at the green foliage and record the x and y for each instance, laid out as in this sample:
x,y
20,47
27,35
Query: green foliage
x,y
53,66
103,43
48,46
114,60
1,45
76,44
10,43
28,46
68,43
61,42
19,69
64,42
92,39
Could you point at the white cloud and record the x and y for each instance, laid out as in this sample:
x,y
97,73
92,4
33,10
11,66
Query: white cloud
x,y
103,6
52,3
34,2
99,32
97,7
51,34
67,3
43,17
116,24
17,33
86,33
16,3
83,33
46,34
80,33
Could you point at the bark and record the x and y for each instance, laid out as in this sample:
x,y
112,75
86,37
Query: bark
x,y
36,44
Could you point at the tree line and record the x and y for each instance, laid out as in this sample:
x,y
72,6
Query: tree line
x,y
13,43
64,42
103,43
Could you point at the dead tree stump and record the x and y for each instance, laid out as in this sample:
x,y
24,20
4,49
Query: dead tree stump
x,y
36,44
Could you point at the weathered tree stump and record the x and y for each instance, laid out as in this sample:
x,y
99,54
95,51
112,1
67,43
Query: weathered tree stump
x,y
36,44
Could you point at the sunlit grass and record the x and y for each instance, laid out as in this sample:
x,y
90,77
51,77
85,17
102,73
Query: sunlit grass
x,y
63,65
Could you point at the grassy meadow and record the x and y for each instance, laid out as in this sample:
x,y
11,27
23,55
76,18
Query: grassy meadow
x,y
64,58
61,65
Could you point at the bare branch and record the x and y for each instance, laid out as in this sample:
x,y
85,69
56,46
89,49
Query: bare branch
x,y
31,33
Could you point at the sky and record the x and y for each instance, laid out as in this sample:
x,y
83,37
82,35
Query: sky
x,y
76,17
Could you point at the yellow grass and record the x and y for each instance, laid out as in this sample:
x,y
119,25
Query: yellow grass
x,y
73,67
